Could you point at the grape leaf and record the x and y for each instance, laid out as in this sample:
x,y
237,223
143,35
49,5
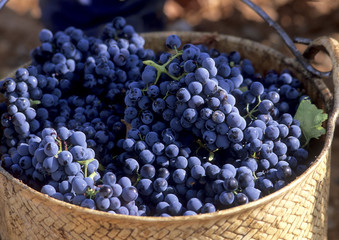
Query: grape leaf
x,y
311,119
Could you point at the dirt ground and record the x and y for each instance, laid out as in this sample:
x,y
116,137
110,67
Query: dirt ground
x,y
20,25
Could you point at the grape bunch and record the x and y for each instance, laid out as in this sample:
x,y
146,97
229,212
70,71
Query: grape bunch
x,y
189,92
103,123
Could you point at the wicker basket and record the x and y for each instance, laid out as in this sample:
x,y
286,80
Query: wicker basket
x,y
297,211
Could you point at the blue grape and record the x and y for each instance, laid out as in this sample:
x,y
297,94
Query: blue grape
x,y
194,204
252,193
79,185
256,89
145,187
198,172
48,189
173,41
51,149
179,176
129,194
235,135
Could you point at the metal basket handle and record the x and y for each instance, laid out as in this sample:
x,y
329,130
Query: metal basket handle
x,y
288,41
331,47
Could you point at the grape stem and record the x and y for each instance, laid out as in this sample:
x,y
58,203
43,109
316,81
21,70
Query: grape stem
x,y
85,163
91,193
211,153
162,68
255,109
138,179
167,93
34,102
101,167
60,147
92,175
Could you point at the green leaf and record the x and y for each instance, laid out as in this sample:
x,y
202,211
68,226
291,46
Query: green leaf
x,y
311,119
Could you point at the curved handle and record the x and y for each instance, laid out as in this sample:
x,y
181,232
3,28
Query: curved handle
x,y
331,47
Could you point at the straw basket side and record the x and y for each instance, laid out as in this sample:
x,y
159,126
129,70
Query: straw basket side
x,y
297,211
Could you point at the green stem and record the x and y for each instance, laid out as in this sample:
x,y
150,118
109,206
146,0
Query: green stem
x,y
255,109
101,167
34,102
92,175
85,163
162,68
210,156
210,153
138,179
167,93
91,193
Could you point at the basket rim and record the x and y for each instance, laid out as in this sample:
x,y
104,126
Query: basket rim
x,y
219,213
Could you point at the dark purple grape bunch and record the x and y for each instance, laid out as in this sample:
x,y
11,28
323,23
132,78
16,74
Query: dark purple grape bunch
x,y
194,93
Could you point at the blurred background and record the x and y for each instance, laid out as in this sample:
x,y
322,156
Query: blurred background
x,y
21,21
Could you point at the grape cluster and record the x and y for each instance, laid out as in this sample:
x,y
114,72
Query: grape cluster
x,y
105,124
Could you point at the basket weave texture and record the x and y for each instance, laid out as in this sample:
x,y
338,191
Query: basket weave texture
x,y
297,211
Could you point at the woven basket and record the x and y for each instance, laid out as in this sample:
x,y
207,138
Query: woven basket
x,y
297,211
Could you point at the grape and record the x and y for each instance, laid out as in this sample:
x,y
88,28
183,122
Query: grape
x,y
145,187
265,106
51,149
129,194
273,96
198,172
105,191
295,131
202,75
209,137
292,143
179,176
146,156
284,172
50,164
159,105
272,132
251,134
251,163
160,184
181,162
174,69
149,74
209,64
226,198
218,116
88,203
235,135
79,185
194,204
189,213
122,210
252,193
48,189
173,42
147,171
25,162
131,166
115,203
183,95
233,120
256,89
